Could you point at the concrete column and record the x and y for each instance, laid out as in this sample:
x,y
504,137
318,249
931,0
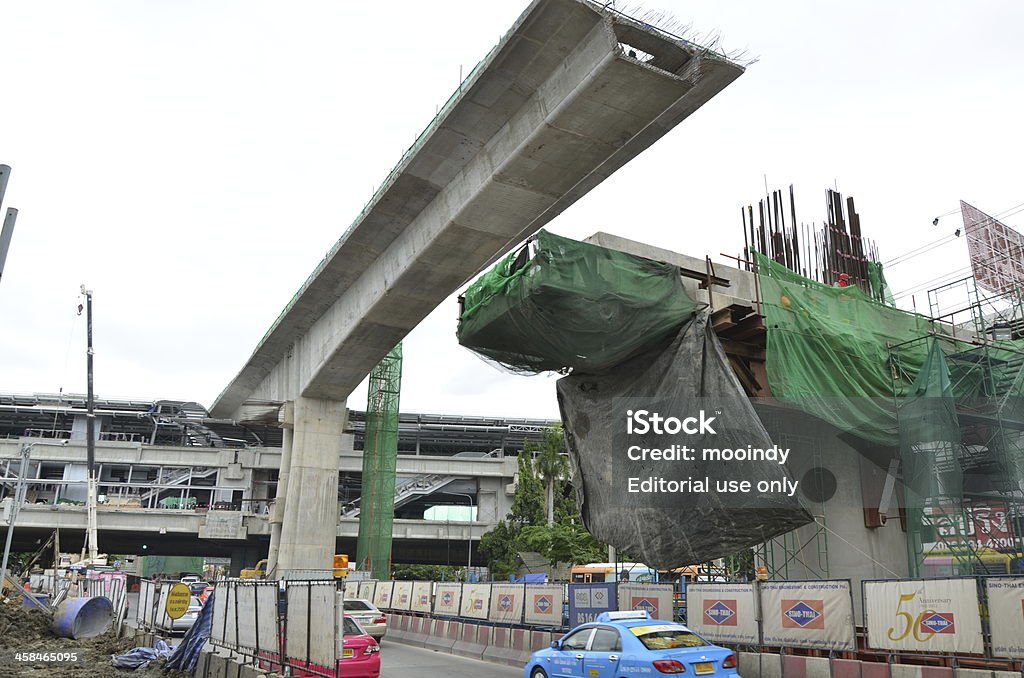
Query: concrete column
x,y
310,525
287,418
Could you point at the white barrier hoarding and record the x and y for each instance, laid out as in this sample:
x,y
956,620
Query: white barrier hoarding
x,y
1005,605
931,615
815,614
474,600
218,626
723,613
366,589
144,610
446,599
506,603
543,604
654,598
401,595
382,595
246,605
421,596
351,589
266,617
312,623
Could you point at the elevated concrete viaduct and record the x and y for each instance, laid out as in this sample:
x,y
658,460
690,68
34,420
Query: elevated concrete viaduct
x,y
569,95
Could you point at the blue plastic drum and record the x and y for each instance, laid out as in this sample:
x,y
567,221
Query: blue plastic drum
x,y
83,617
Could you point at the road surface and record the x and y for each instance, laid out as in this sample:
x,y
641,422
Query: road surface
x,y
402,661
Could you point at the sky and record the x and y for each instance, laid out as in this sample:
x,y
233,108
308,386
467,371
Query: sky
x,y
191,162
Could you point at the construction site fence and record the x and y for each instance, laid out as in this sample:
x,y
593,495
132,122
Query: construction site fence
x,y
952,619
276,626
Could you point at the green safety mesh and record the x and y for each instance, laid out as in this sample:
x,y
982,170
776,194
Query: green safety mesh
x,y
380,457
840,355
560,304
829,351
170,566
930,444
931,457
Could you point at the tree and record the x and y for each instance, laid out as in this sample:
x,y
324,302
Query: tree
x,y
498,546
544,517
425,572
527,504
552,467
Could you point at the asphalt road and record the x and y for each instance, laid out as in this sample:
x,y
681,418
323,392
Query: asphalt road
x,y
402,661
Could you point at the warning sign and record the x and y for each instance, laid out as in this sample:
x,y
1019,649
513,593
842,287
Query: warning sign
x,y
178,599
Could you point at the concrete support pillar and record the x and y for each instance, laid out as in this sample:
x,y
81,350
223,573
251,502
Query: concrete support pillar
x,y
310,525
287,419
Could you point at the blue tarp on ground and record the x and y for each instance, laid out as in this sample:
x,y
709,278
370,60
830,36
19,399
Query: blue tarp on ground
x,y
140,657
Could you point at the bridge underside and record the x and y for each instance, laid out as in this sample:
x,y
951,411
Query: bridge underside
x,y
569,95
114,542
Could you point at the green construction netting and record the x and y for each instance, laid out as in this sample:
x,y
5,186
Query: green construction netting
x,y
829,351
930,444
840,355
560,304
380,458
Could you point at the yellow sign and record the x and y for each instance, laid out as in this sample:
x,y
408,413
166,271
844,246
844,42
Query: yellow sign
x,y
178,599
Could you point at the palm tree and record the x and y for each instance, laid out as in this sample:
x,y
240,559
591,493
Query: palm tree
x,y
551,466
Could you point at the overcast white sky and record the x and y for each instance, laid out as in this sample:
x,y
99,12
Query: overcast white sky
x,y
191,162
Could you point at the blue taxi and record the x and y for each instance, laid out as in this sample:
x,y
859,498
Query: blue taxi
x,y
621,644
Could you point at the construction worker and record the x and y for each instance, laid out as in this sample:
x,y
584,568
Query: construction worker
x,y
844,280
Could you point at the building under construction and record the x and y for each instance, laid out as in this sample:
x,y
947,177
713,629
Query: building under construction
x,y
908,424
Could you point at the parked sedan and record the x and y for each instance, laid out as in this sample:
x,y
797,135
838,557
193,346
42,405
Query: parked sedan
x,y
358,655
197,587
631,642
369,617
185,622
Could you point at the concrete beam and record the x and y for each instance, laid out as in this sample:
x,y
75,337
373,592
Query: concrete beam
x,y
183,523
349,460
554,110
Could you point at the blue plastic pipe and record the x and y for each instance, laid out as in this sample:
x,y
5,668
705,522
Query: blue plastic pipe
x,y
82,617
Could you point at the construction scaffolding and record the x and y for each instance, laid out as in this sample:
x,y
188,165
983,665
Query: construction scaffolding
x,y
961,451
380,456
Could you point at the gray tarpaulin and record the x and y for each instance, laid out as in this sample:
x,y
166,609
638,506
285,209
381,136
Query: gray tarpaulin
x,y
672,529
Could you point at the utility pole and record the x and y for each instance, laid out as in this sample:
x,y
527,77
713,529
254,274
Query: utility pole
x,y
90,429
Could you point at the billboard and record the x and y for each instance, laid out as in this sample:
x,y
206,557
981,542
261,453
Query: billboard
x,y
382,594
446,599
654,598
401,595
722,613
996,251
474,600
814,614
506,603
543,605
421,596
929,615
586,601
1006,615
